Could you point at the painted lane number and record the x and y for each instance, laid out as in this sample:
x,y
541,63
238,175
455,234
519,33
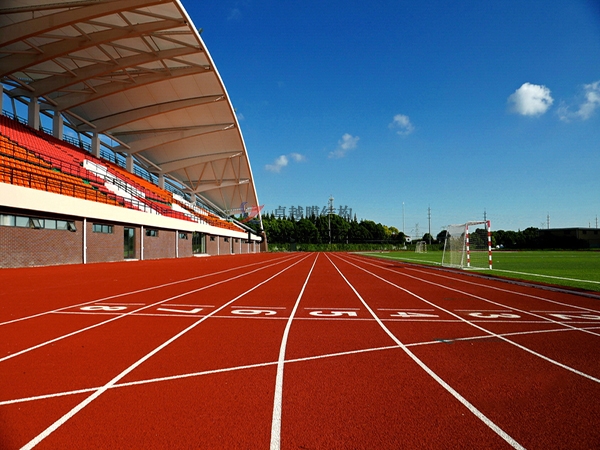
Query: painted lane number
x,y
103,308
254,312
333,313
480,315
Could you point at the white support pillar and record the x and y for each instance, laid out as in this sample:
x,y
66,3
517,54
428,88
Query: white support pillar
x,y
96,145
57,125
84,240
129,163
193,198
141,242
33,113
161,180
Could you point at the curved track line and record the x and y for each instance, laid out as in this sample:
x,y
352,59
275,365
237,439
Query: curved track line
x,y
522,294
278,397
124,294
491,333
265,364
488,422
81,330
546,319
44,434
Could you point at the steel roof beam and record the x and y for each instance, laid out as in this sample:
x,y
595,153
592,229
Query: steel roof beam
x,y
76,13
104,124
20,62
162,137
60,82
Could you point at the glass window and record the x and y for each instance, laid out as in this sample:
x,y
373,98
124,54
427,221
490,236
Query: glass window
x,y
61,225
151,232
50,224
7,220
183,236
22,221
102,228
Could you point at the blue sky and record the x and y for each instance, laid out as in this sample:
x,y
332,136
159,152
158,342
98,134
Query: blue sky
x,y
461,107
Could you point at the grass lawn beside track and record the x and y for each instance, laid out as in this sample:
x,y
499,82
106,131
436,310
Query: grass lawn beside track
x,y
579,269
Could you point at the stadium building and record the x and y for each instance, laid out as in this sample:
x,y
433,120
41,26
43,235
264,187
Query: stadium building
x,y
118,139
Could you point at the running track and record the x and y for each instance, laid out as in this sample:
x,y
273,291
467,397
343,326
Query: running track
x,y
292,351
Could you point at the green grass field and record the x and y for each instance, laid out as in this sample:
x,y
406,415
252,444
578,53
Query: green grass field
x,y
579,269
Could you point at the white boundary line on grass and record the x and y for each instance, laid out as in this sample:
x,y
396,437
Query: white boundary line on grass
x,y
488,422
44,434
547,276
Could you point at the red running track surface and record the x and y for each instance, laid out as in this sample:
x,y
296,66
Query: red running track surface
x,y
310,351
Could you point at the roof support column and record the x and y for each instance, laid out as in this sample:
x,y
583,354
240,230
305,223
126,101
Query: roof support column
x,y
57,125
129,163
161,180
193,198
96,145
33,113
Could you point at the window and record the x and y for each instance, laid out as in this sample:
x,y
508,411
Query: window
x,y
212,239
183,236
102,228
8,220
226,239
151,232
22,222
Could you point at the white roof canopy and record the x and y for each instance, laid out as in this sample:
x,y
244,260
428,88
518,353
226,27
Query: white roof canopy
x,y
138,72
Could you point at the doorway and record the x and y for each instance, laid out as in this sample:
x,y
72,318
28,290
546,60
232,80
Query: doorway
x,y
129,243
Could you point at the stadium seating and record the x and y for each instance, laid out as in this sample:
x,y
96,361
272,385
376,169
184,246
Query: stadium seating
x,y
34,159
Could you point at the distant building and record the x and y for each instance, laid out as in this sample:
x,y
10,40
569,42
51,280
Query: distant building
x,y
570,237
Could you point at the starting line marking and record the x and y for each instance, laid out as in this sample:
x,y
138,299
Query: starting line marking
x,y
339,313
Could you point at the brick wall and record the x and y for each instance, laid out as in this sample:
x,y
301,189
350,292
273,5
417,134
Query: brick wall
x,y
23,247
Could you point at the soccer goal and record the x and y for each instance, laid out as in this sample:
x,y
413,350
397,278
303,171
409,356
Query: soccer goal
x,y
468,246
421,247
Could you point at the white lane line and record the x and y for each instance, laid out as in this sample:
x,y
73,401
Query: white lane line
x,y
491,333
529,313
44,434
496,288
130,313
278,397
138,291
495,428
265,364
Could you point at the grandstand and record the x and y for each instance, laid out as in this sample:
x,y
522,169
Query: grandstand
x,y
118,139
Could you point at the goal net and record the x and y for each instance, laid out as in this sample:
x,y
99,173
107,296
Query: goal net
x,y
421,247
468,246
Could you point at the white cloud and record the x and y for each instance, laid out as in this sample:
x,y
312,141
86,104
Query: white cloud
x,y
283,160
347,143
591,101
402,124
297,157
531,100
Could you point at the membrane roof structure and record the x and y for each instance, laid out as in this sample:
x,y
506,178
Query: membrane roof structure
x,y
136,71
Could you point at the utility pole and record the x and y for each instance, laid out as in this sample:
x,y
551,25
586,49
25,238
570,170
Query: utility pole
x,y
329,213
548,220
403,219
429,219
